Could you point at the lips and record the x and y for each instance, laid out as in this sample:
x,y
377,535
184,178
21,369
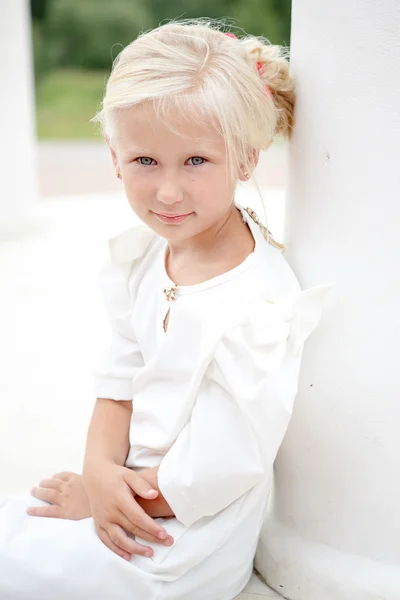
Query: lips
x,y
172,216
172,219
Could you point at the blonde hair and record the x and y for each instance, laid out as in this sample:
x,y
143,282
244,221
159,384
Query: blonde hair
x,y
206,75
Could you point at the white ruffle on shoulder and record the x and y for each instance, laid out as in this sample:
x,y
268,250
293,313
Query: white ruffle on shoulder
x,y
242,407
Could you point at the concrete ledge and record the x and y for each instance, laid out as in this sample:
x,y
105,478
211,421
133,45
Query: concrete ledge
x,y
257,589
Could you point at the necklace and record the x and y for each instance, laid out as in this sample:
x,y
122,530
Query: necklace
x,y
266,232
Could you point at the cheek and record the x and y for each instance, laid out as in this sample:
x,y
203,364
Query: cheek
x,y
210,181
137,188
215,192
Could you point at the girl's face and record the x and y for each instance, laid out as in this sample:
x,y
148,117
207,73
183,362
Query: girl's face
x,y
178,172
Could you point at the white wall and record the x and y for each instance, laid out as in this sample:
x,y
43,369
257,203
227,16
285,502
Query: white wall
x,y
334,528
17,175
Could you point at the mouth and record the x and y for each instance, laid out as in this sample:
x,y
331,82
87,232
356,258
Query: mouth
x,y
172,218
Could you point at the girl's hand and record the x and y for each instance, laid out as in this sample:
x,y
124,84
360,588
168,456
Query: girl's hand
x,y
111,489
66,496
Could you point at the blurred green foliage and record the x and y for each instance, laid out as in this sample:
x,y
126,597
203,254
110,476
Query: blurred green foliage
x,y
89,34
66,100
38,9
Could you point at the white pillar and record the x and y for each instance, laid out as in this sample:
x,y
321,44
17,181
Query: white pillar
x,y
17,171
333,531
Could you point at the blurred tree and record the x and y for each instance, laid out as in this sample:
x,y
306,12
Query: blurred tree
x,y
83,33
38,13
90,33
173,9
270,18
38,9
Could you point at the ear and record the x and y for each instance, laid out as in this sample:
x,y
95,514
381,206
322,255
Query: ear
x,y
253,157
113,153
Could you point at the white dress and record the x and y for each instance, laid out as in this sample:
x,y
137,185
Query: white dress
x,y
212,399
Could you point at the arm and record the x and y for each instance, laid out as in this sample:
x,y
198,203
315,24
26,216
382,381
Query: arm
x,y
108,434
108,441
214,460
112,489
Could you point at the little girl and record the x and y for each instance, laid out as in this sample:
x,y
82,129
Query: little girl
x,y
208,323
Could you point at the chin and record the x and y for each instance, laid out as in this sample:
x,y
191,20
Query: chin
x,y
173,234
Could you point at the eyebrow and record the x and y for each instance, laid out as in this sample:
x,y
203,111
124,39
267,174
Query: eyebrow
x,y
136,150
193,152
151,151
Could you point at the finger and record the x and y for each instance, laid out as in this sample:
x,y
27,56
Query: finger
x,y
51,511
47,495
139,485
140,519
64,475
119,537
145,535
54,484
105,538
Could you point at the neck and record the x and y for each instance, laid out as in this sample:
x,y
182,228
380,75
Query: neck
x,y
223,247
213,239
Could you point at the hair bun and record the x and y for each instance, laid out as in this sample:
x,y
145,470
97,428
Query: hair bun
x,y
276,74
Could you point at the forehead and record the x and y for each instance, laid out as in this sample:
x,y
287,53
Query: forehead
x,y
144,128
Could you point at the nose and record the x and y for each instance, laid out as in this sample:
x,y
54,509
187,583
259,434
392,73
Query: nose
x,y
169,192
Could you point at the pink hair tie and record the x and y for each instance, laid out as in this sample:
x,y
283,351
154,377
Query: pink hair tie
x,y
258,65
259,69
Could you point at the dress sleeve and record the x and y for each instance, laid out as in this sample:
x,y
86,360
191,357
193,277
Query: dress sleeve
x,y
242,409
118,361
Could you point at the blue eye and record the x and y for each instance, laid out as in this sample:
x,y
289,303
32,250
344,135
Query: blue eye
x,y
194,160
146,161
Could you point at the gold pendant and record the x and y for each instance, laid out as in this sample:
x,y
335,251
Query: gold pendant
x,y
170,295
166,320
